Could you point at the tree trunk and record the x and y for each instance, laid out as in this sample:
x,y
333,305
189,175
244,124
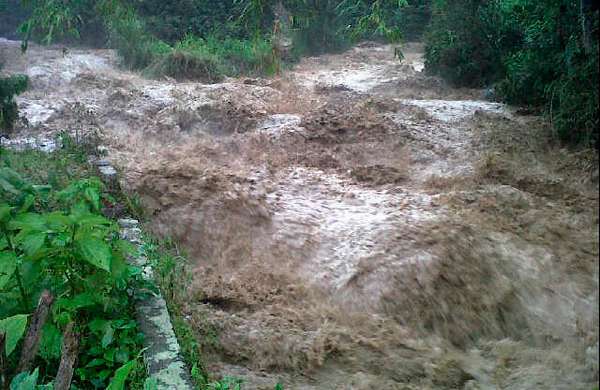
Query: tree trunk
x,y
34,333
69,350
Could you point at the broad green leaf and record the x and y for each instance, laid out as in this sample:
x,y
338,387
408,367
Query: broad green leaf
x,y
31,242
8,187
3,243
79,301
10,181
107,338
94,251
8,264
118,266
50,342
25,381
104,374
13,327
109,355
92,196
28,221
60,240
124,324
56,221
125,247
42,188
121,356
32,270
27,202
4,212
98,325
97,362
118,382
92,220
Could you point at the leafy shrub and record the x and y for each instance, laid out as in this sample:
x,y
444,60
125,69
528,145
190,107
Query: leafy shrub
x,y
55,20
171,21
239,56
413,18
127,34
208,59
542,54
463,41
9,87
57,241
182,64
319,26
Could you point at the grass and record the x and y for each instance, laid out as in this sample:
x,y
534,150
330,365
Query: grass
x,y
211,58
171,274
56,169
185,65
193,58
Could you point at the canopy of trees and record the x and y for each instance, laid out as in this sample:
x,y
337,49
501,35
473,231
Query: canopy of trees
x,y
538,53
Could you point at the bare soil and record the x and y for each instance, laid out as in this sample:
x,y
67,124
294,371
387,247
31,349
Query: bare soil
x,y
353,223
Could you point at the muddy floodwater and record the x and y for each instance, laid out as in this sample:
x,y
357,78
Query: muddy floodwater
x,y
352,223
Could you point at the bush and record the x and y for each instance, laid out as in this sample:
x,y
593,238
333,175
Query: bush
x,y
318,27
181,64
542,54
211,58
127,34
54,243
9,87
413,18
242,56
462,42
171,21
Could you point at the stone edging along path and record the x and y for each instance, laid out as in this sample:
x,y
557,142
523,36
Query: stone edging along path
x,y
162,353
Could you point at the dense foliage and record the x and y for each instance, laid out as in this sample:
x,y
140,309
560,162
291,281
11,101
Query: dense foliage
x,y
198,39
542,54
9,87
54,242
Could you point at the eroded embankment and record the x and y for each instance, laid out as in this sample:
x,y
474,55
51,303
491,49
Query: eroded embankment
x,y
353,224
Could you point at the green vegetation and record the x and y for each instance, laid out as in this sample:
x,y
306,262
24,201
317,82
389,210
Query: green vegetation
x,y
9,87
198,40
55,241
60,256
541,54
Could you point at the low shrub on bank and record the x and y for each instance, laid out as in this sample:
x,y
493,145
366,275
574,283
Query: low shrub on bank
x,y
9,87
65,287
183,64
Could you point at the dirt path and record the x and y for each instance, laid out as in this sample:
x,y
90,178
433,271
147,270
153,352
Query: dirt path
x,y
354,223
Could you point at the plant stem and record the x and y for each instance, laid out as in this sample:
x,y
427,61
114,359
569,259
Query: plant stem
x,y
24,297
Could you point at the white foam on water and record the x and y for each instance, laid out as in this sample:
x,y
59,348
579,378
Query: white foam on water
x,y
455,110
346,221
